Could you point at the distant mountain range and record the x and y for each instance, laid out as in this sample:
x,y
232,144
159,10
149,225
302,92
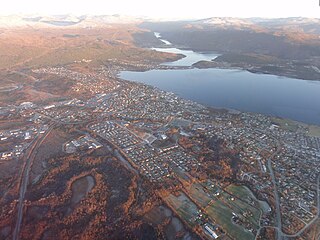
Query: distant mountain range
x,y
286,46
240,34
65,20
309,25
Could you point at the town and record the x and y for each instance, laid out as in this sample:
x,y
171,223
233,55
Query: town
x,y
172,142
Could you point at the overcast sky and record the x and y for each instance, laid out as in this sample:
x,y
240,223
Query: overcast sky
x,y
176,9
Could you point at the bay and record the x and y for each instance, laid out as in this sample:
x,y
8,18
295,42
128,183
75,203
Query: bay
x,y
235,89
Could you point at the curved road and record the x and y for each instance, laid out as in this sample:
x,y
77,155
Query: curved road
x,y
314,219
297,234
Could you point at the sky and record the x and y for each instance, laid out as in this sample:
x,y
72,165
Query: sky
x,y
172,9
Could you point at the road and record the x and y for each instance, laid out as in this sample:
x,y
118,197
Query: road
x,y
28,157
124,161
277,202
297,234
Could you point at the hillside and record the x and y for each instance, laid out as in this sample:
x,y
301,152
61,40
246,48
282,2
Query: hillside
x,y
291,45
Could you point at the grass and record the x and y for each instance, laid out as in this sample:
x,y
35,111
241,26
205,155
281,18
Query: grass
x,y
223,216
185,208
242,192
198,194
291,125
314,131
220,208
240,207
286,124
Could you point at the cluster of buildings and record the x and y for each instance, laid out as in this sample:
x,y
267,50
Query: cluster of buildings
x,y
83,143
153,162
16,141
262,144
94,84
66,114
157,164
115,133
294,158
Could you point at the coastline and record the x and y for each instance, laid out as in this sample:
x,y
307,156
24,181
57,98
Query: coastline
x,y
255,69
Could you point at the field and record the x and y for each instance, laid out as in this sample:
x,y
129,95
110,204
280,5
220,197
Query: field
x,y
162,217
314,131
198,194
246,195
293,126
221,205
286,124
185,208
225,206
223,214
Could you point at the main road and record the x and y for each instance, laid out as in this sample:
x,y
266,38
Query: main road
x,y
28,158
280,233
297,234
277,201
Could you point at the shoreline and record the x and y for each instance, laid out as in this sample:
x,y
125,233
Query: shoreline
x,y
254,70
314,127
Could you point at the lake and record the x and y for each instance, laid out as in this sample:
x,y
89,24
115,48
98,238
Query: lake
x,y
236,89
191,56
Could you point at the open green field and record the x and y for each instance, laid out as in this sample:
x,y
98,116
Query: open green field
x,y
243,197
291,125
286,124
239,191
245,194
185,208
198,194
314,131
220,208
223,216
